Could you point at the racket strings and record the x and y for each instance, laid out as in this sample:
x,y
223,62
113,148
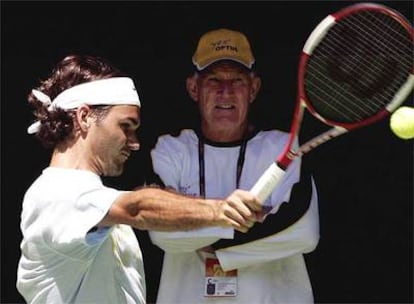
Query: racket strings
x,y
358,66
378,38
361,67
384,35
385,31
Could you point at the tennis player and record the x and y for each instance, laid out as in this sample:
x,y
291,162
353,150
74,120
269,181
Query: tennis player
x,y
78,245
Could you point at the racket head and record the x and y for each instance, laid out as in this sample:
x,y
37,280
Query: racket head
x,y
356,66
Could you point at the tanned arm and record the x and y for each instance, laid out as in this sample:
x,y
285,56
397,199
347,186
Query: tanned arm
x,y
163,210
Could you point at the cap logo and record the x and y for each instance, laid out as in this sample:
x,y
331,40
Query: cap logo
x,y
224,44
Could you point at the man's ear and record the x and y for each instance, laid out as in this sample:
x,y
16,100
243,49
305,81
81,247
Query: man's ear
x,y
256,85
83,117
192,87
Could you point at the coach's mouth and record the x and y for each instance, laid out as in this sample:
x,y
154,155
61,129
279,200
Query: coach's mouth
x,y
225,107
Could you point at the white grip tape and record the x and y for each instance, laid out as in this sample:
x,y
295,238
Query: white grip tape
x,y
267,182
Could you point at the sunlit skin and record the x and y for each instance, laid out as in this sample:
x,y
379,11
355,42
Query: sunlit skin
x,y
101,146
112,139
224,93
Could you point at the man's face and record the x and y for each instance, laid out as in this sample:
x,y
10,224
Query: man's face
x,y
112,138
224,93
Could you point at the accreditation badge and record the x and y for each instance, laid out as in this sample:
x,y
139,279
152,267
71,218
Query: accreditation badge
x,y
219,283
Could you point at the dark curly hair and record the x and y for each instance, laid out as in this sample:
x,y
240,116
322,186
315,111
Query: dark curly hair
x,y
57,125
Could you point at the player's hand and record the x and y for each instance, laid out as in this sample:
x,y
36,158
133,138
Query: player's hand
x,y
239,210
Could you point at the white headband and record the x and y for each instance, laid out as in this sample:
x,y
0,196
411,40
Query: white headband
x,y
110,91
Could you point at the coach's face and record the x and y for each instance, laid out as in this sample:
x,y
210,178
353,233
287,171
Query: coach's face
x,y
224,93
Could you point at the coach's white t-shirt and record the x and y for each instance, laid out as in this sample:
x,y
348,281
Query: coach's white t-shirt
x,y
63,259
270,269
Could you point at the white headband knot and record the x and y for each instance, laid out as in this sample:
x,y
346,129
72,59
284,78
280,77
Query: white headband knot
x,y
110,91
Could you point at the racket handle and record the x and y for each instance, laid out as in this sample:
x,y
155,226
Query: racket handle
x,y
267,182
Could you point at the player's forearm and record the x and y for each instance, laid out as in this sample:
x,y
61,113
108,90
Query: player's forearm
x,y
167,211
155,209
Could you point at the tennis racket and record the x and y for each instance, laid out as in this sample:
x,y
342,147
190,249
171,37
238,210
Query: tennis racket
x,y
356,68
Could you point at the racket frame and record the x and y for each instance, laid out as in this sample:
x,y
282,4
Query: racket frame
x,y
275,172
339,128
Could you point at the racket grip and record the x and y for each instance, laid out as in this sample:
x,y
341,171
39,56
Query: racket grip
x,y
267,182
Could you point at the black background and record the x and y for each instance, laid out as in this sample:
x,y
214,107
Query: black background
x,y
365,179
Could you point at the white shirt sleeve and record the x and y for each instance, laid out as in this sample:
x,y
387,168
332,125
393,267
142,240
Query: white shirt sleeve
x,y
301,237
71,224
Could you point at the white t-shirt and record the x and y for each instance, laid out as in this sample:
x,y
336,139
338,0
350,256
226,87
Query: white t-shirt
x,y
62,259
270,269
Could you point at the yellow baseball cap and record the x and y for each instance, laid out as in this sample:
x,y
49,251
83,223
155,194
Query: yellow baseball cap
x,y
223,44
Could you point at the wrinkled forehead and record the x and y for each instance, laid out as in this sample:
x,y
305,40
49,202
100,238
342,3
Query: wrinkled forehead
x,y
227,66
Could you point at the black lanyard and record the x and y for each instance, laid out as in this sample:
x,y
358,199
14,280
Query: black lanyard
x,y
201,164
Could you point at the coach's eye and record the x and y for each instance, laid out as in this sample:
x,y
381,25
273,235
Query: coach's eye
x,y
237,81
213,79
